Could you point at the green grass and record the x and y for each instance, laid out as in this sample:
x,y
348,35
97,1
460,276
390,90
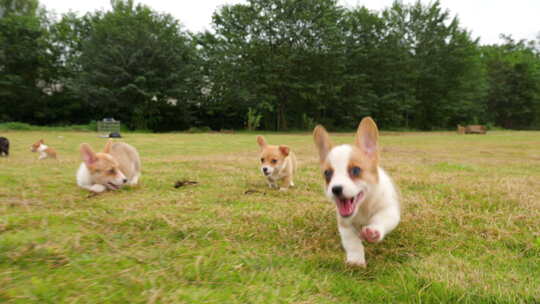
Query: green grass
x,y
20,126
470,231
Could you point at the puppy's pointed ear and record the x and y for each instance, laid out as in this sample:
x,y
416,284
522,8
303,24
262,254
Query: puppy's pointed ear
x,y
88,156
41,141
322,142
108,146
261,141
284,150
367,138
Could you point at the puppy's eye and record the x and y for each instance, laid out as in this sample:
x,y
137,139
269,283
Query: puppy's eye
x,y
355,171
112,171
328,175
274,161
262,160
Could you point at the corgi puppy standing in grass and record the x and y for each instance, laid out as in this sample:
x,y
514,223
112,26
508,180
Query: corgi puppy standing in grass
x,y
366,199
116,166
278,164
44,150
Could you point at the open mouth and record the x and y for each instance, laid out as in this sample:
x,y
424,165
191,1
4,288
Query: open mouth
x,y
346,206
113,186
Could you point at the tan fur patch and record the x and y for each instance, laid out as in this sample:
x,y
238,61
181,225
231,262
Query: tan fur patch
x,y
51,152
272,156
368,166
322,142
104,165
36,145
127,158
327,167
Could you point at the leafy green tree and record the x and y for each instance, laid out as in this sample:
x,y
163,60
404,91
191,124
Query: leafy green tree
x,y
135,65
293,62
26,61
513,74
379,70
280,57
444,82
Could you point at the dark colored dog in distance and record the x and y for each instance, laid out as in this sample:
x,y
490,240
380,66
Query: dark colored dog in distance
x,y
4,146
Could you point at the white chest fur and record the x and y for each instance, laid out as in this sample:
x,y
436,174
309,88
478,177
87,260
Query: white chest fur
x,y
42,148
83,176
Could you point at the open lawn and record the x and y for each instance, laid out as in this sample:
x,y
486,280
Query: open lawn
x,y
470,231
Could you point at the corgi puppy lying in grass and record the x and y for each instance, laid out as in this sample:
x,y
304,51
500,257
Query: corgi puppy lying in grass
x,y
278,164
366,199
116,166
44,150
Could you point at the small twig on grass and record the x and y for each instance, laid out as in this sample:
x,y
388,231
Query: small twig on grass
x,y
251,191
184,182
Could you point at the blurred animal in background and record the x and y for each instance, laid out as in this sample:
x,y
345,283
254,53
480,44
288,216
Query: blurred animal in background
x,y
119,164
4,146
44,150
278,164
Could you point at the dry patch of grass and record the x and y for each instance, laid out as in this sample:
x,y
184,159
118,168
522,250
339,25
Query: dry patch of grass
x,y
470,231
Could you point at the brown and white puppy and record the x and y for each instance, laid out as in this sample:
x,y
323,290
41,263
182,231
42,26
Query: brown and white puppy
x,y
118,165
366,199
278,164
44,150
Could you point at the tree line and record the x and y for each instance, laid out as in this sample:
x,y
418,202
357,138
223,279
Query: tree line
x,y
267,64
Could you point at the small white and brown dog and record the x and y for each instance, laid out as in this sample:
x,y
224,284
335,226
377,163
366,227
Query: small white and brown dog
x,y
44,150
278,164
118,165
367,200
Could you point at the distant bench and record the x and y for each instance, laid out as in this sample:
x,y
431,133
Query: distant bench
x,y
471,129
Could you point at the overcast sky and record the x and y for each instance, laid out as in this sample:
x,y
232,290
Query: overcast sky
x,y
486,19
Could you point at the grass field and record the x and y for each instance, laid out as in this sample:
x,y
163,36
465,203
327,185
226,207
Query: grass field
x,y
470,231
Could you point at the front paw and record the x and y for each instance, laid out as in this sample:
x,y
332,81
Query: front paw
x,y
97,188
356,261
371,234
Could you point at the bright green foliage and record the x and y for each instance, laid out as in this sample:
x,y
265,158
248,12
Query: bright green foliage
x,y
137,66
295,62
253,120
280,57
439,73
26,61
410,66
513,71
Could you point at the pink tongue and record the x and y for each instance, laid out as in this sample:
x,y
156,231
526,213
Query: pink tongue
x,y
345,207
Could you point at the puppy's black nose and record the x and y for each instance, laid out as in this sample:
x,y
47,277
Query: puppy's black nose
x,y
265,169
124,180
337,190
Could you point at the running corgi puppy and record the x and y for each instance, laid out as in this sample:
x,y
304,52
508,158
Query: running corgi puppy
x,y
116,166
367,201
278,164
44,150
